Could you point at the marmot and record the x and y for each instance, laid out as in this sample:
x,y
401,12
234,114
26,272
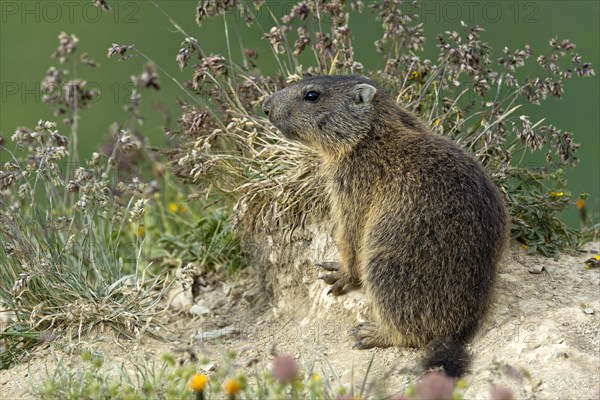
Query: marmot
x,y
420,226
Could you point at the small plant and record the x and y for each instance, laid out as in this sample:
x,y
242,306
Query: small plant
x,y
172,379
94,380
80,237
71,260
535,220
69,264
179,230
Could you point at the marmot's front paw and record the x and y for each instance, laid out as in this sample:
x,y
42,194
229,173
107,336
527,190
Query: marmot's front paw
x,y
340,281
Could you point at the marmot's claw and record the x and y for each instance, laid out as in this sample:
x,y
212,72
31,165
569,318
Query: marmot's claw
x,y
329,265
362,329
363,344
339,280
367,336
330,279
339,288
355,331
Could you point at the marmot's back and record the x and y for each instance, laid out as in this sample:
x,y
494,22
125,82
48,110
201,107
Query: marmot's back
x,y
440,225
420,225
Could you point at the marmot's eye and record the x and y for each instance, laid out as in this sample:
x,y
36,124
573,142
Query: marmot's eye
x,y
311,96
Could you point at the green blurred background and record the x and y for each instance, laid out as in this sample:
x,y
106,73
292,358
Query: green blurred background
x,y
29,30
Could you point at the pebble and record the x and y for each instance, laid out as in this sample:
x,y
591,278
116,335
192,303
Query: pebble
x,y
197,309
217,333
536,269
209,367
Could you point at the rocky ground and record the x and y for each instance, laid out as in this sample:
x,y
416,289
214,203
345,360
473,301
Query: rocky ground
x,y
542,336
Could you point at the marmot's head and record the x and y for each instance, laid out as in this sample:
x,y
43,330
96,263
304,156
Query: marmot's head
x,y
329,113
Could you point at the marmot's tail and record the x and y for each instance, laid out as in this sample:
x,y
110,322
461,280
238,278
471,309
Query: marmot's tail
x,y
448,353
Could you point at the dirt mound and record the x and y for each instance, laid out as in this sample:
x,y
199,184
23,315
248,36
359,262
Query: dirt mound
x,y
541,337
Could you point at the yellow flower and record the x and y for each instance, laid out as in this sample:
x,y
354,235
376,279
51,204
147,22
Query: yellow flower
x,y
198,382
556,194
316,378
232,387
141,231
414,74
526,247
580,203
593,262
173,207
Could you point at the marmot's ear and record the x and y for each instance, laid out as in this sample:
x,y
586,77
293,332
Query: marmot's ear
x,y
363,93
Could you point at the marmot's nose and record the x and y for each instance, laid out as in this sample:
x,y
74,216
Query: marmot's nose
x,y
267,105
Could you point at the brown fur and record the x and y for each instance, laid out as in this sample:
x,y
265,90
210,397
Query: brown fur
x,y
420,226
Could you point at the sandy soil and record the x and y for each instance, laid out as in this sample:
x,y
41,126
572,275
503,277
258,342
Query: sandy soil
x,y
545,320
